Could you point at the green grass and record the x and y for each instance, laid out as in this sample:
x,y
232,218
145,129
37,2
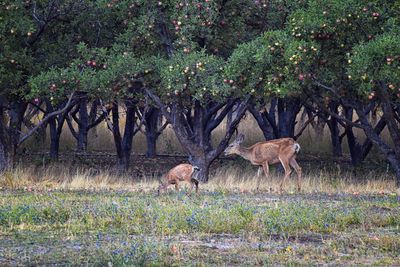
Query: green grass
x,y
125,228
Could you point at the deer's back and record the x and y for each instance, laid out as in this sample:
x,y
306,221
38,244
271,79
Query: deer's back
x,y
180,172
270,150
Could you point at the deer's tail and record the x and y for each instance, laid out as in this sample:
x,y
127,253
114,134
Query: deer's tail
x,y
296,147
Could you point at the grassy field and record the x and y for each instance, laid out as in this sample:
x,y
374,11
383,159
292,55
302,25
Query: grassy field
x,y
79,211
106,220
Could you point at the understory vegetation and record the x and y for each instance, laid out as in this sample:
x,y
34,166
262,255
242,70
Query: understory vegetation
x,y
67,214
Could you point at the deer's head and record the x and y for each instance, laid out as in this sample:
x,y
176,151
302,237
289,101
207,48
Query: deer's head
x,y
233,148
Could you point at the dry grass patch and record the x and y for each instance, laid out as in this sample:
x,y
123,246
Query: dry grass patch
x,y
233,179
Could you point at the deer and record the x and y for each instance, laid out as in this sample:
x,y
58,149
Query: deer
x,y
283,150
180,173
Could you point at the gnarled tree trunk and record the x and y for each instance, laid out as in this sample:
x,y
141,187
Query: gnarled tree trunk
x,y
279,120
193,127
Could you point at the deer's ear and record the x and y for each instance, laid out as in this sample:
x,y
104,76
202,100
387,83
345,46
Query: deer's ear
x,y
240,138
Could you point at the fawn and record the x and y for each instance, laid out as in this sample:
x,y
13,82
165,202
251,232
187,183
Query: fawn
x,y
180,173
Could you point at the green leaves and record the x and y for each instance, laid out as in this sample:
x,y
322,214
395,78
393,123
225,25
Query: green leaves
x,y
196,75
273,64
376,61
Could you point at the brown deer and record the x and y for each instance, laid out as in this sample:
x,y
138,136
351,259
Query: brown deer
x,y
281,150
180,173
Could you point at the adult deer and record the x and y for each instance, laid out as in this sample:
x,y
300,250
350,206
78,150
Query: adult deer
x,y
281,150
180,173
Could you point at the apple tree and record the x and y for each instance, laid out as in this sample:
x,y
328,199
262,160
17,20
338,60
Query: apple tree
x,y
268,68
337,26
375,72
195,97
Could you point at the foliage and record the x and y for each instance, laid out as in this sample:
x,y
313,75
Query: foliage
x,y
196,75
377,60
271,65
337,26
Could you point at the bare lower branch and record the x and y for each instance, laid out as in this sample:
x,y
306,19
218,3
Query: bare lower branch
x,y
47,118
300,132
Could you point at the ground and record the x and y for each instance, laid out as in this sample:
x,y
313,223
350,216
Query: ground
x,y
215,227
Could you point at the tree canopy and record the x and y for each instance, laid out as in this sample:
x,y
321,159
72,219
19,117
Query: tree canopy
x,y
203,60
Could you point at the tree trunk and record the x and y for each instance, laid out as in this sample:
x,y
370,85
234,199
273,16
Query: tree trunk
x,y
83,124
93,116
151,124
151,140
319,130
123,144
280,120
263,123
54,140
204,165
16,113
371,133
56,125
194,127
128,133
5,143
117,135
335,132
5,149
367,145
287,113
5,158
354,147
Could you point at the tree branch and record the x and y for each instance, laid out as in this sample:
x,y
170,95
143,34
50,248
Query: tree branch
x,y
46,118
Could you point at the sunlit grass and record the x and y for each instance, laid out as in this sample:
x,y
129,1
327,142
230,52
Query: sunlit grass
x,y
232,179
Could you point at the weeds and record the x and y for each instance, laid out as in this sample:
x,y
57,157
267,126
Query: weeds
x,y
126,228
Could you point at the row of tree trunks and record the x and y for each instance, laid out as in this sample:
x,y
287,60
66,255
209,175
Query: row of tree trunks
x,y
194,131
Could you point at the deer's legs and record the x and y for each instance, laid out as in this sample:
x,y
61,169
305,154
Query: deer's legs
x,y
191,189
287,169
259,171
176,187
258,176
264,167
297,168
195,183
